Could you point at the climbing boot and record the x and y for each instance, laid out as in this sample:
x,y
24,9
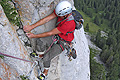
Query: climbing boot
x,y
41,77
36,55
33,54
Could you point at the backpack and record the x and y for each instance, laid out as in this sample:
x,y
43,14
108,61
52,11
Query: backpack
x,y
77,17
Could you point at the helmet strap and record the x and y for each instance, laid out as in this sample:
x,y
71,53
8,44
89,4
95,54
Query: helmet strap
x,y
65,16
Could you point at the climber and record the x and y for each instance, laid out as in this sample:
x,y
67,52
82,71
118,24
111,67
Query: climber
x,y
62,12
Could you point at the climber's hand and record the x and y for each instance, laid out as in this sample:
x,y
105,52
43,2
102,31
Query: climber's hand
x,y
31,35
27,28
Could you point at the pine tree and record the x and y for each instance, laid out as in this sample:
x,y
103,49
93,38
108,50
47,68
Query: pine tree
x,y
98,37
87,27
96,20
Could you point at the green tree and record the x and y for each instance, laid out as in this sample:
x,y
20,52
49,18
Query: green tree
x,y
97,71
98,37
96,20
105,12
102,42
114,69
87,27
104,55
10,12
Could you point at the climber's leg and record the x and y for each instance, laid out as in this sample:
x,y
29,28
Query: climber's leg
x,y
54,51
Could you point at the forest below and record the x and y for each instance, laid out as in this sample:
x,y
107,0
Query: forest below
x,y
102,22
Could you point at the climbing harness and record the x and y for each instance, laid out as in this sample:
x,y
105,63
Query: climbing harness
x,y
15,57
55,40
71,52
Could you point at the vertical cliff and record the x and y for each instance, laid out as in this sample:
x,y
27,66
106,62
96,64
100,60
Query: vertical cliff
x,y
14,42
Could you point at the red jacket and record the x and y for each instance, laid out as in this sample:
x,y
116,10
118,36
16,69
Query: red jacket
x,y
64,27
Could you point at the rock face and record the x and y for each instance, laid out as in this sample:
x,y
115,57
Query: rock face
x,y
13,41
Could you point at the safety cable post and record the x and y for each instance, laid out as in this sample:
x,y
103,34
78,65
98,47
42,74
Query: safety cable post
x,y
34,64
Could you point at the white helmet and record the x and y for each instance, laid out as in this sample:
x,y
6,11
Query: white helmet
x,y
63,8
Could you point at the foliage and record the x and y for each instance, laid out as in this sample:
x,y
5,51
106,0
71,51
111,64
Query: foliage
x,y
10,12
23,77
105,14
2,57
87,27
92,26
96,20
97,70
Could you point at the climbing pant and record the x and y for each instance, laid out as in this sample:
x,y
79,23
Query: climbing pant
x,y
55,50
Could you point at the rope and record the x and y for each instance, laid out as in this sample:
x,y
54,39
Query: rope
x,y
15,57
54,40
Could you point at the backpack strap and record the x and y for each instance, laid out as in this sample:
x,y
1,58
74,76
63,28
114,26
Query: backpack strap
x,y
67,19
59,22
70,18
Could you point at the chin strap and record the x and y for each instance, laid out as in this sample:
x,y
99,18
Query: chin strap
x,y
66,16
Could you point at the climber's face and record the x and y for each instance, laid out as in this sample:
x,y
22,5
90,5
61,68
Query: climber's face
x,y
63,17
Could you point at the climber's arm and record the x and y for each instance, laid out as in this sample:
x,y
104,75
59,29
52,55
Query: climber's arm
x,y
28,28
44,20
45,34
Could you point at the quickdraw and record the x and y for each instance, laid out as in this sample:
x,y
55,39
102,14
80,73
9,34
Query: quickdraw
x,y
71,52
